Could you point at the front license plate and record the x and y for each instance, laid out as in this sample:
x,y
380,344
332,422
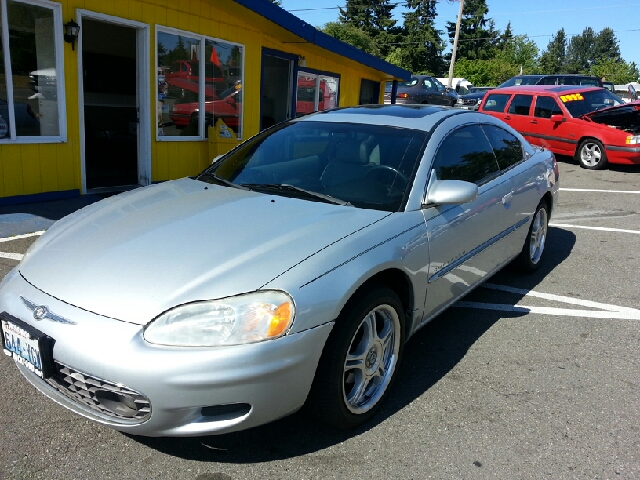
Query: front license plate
x,y
26,345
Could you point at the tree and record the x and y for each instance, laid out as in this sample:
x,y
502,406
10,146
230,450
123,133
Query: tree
x,y
478,35
521,52
421,47
554,58
352,35
580,52
605,46
485,72
373,17
617,71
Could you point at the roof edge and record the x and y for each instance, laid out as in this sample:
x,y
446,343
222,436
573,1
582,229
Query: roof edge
x,y
302,29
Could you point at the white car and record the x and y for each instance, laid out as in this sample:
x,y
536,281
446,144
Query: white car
x,y
292,270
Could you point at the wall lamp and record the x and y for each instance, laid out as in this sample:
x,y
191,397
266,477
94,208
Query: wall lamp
x,y
71,30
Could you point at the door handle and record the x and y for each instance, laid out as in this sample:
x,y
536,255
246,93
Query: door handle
x,y
534,122
507,199
507,117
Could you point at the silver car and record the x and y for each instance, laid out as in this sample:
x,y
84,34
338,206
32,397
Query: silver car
x,y
292,270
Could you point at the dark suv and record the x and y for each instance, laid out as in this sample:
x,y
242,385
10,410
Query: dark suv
x,y
555,79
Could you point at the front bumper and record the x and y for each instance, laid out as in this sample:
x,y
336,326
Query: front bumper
x,y
191,391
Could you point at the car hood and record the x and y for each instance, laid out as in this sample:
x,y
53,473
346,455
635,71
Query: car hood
x,y
133,256
625,117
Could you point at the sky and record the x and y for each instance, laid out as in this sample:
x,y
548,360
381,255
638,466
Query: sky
x,y
539,19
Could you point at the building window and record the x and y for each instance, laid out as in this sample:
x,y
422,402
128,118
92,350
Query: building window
x,y
31,75
316,92
195,74
369,92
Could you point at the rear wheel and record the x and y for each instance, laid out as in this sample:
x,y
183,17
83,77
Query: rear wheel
x,y
533,249
359,361
591,154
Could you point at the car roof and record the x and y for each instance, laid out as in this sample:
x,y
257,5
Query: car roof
x,y
415,117
546,88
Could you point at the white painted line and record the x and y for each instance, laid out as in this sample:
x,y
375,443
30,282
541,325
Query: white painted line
x,y
602,229
605,310
11,256
26,235
559,298
566,312
594,190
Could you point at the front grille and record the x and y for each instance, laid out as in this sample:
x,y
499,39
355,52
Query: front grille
x,y
467,101
111,399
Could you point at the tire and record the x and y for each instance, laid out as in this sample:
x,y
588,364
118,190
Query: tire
x,y
359,361
591,154
532,251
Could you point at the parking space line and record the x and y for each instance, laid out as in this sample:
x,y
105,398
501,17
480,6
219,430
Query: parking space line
x,y
605,310
602,229
26,235
596,190
11,256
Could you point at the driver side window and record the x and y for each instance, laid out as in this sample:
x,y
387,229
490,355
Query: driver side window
x,y
465,154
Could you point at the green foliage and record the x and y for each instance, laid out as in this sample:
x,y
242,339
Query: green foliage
x,y
352,35
478,37
616,71
421,46
374,18
521,51
486,72
554,58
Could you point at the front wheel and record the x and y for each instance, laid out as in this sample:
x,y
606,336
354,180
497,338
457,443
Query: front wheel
x,y
591,154
533,249
359,361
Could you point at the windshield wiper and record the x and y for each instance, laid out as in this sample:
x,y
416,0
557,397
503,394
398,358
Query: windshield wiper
x,y
219,180
285,187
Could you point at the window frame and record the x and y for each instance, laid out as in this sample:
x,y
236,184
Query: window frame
x,y
311,72
12,138
202,40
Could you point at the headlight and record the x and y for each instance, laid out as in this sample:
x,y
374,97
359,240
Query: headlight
x,y
249,318
633,140
460,100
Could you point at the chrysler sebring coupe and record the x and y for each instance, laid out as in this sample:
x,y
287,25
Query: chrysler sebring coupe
x,y
291,271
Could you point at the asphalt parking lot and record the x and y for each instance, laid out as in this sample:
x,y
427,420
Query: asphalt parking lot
x,y
528,377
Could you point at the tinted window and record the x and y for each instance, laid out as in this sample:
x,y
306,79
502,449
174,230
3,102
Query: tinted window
x,y
545,107
465,155
428,84
550,80
507,148
496,102
520,104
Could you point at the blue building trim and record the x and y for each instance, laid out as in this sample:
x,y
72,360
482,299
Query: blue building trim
x,y
302,29
39,197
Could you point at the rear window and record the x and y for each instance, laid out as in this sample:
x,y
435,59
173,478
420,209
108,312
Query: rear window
x,y
496,102
521,104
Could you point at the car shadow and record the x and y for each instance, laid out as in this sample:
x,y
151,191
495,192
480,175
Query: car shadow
x,y
430,354
614,167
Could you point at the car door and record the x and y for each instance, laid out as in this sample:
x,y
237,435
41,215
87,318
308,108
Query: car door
x,y
518,113
558,136
465,240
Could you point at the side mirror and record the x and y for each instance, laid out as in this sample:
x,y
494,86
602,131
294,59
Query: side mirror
x,y
558,118
450,192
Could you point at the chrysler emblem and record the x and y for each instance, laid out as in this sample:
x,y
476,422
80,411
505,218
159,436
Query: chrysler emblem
x,y
42,311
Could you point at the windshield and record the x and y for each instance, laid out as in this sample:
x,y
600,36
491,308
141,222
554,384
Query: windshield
x,y
410,83
581,103
519,81
366,166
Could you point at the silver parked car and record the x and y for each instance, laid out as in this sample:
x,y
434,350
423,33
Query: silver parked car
x,y
292,270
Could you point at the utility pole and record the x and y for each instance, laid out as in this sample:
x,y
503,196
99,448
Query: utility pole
x,y
455,43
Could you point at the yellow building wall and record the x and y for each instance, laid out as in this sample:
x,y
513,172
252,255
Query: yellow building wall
x,y
36,168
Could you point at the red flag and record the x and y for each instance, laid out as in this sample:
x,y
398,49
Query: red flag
x,y
214,57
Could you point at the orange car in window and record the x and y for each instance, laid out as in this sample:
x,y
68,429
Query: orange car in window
x,y
590,124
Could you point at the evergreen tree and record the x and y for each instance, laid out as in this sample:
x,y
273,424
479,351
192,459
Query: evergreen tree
x,y
606,46
580,52
478,36
373,17
353,36
421,47
554,58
